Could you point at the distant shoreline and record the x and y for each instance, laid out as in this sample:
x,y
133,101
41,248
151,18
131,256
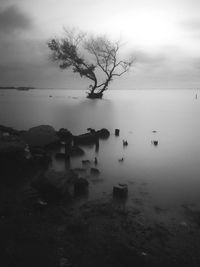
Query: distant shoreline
x,y
26,88
23,88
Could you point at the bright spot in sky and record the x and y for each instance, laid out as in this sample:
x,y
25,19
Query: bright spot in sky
x,y
145,27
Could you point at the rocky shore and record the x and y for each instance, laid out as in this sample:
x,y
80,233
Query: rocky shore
x,y
43,224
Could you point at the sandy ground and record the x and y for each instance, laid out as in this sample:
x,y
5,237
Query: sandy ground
x,y
96,233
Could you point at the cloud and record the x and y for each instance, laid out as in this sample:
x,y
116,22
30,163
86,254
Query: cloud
x,y
12,19
149,58
191,27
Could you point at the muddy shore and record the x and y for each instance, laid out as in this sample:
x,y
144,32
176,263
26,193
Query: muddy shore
x,y
60,230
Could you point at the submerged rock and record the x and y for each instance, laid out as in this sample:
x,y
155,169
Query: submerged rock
x,y
86,139
64,134
5,129
120,191
94,171
86,162
155,142
103,133
75,151
54,185
40,136
11,145
92,137
80,186
117,132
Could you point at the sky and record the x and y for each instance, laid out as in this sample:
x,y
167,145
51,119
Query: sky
x,y
163,36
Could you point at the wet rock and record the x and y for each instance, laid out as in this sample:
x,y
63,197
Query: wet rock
x,y
80,186
12,156
86,139
42,160
60,155
77,225
94,171
11,145
103,133
125,143
64,262
92,137
117,132
95,161
64,135
40,136
120,191
79,170
76,151
5,129
31,199
91,130
86,162
53,185
154,142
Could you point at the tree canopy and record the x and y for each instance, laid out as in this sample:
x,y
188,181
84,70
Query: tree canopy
x,y
96,58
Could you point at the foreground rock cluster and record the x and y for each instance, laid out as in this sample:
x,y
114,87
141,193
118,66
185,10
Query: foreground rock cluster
x,y
43,223
29,154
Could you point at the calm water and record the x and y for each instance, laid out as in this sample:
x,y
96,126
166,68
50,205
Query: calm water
x,y
168,174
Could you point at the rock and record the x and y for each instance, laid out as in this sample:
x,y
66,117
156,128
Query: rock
x,y
60,155
82,170
117,132
80,186
125,143
64,262
40,136
11,145
86,139
103,133
5,129
95,161
13,159
91,130
54,185
120,191
86,162
31,199
64,135
78,225
76,151
155,142
92,137
42,159
94,171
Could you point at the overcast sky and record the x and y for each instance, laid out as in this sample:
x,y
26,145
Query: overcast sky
x,y
164,36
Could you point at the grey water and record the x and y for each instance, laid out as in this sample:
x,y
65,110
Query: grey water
x,y
167,174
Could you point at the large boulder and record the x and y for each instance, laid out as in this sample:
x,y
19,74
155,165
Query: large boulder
x,y
75,151
11,145
43,135
5,129
12,157
65,135
103,133
54,185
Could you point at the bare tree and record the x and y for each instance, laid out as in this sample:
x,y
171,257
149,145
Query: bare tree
x,y
103,64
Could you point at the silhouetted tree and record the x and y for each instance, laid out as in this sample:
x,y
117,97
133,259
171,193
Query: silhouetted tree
x,y
103,64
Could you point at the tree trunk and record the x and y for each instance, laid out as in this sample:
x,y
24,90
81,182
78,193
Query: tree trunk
x,y
94,95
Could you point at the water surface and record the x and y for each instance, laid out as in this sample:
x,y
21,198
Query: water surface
x,y
167,174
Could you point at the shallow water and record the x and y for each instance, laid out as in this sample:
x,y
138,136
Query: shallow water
x,y
167,174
